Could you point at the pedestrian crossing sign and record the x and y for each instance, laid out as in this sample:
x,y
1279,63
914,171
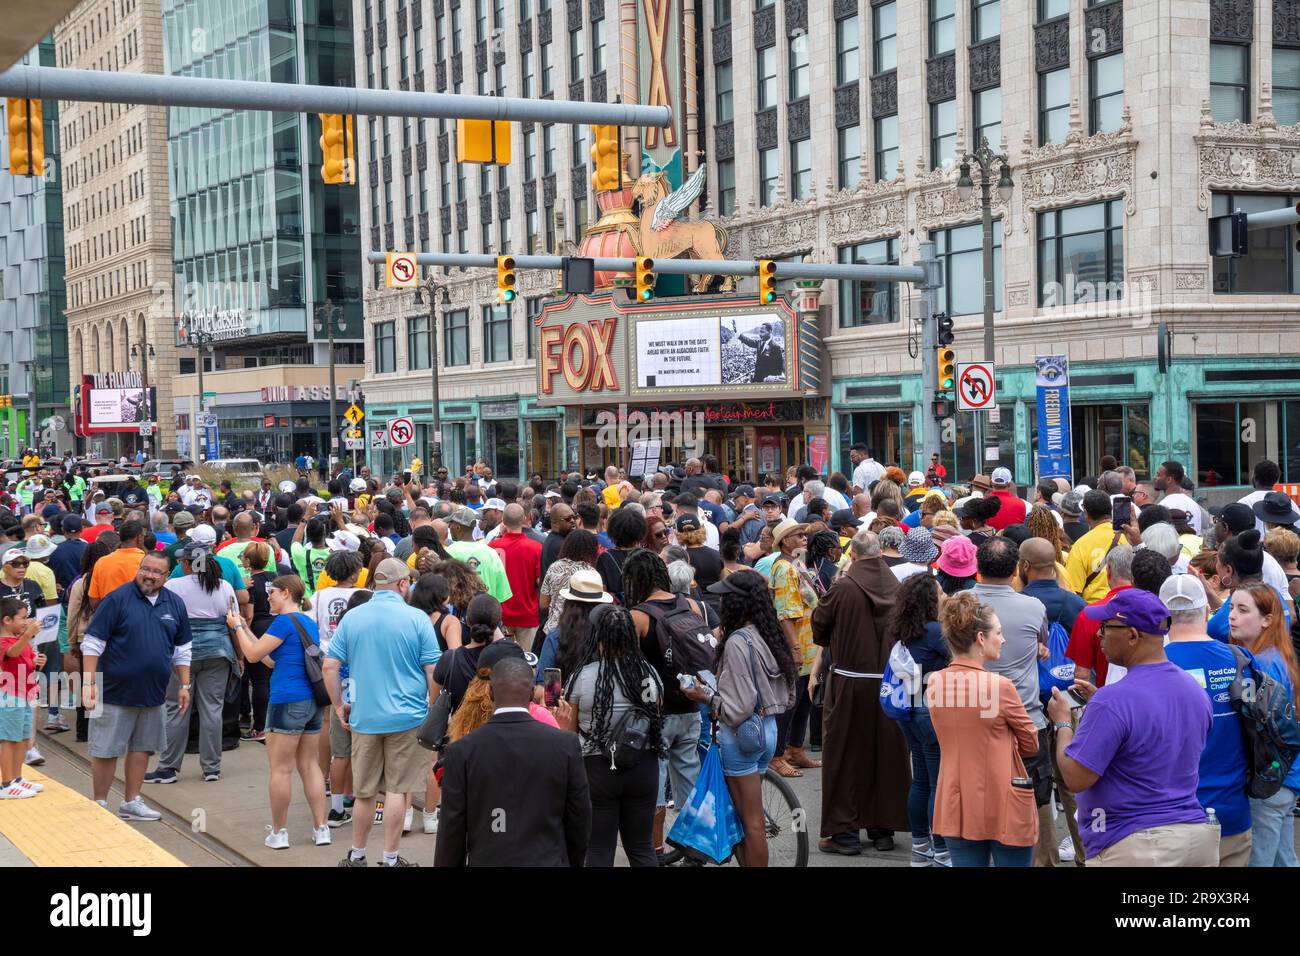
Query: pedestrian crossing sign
x,y
354,415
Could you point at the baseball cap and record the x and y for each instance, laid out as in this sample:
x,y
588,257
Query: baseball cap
x,y
688,523
357,485
746,490
494,504
391,570
287,486
13,554
394,494
51,511
466,517
774,500
203,534
343,541
182,519
1183,592
39,546
1237,517
103,509
1072,504
844,518
1001,477
915,480
1136,608
71,524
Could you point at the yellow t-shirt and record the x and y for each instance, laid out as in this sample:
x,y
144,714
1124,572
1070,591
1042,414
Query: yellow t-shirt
x,y
325,581
44,576
1086,555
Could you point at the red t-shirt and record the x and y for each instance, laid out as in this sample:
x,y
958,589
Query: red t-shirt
x,y
1013,509
19,673
522,557
94,531
1085,642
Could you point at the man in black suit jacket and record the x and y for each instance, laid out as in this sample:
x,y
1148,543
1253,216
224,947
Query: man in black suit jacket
x,y
514,792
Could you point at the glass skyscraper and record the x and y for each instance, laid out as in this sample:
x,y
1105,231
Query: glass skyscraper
x,y
253,226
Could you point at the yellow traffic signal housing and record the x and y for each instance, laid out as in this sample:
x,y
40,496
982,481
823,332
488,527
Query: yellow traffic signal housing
x,y
338,150
766,281
607,164
483,141
947,369
26,137
645,279
505,279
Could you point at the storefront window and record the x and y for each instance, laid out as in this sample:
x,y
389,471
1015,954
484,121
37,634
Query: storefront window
x,y
1231,436
501,447
887,435
1119,429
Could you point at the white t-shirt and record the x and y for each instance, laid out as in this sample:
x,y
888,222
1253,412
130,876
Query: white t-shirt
x,y
198,602
835,499
1249,501
868,470
327,606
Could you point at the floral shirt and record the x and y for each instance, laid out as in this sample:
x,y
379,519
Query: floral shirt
x,y
557,578
794,599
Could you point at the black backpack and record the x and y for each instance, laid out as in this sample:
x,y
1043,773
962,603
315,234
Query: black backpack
x,y
1268,724
688,646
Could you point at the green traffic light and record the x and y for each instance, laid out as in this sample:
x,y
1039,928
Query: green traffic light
x,y
769,296
947,383
646,295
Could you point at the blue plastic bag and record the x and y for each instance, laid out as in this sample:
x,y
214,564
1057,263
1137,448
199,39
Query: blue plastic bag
x,y
707,826
1057,670
899,683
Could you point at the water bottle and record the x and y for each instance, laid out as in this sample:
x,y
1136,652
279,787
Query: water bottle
x,y
1212,819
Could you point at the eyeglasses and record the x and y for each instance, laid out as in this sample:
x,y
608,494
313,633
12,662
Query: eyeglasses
x,y
19,564
1116,627
661,533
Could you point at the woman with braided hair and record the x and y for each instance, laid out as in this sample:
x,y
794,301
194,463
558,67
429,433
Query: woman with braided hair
x,y
612,679
757,674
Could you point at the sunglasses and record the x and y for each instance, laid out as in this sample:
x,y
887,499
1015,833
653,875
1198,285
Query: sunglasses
x,y
661,533
19,564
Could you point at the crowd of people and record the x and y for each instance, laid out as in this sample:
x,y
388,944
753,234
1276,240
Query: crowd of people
x,y
405,642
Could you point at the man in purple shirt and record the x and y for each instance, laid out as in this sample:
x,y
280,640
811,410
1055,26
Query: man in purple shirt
x,y
1135,756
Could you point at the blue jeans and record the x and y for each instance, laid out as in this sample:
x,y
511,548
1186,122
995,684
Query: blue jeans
x,y
924,746
681,738
977,853
1272,832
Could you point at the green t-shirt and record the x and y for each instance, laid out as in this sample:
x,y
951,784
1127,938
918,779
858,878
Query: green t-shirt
x,y
236,550
309,563
76,488
483,558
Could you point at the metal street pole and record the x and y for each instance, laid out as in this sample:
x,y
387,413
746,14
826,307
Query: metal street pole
x,y
929,307
329,309
202,406
985,159
100,86
431,287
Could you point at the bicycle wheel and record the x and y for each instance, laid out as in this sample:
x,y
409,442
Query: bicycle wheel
x,y
786,823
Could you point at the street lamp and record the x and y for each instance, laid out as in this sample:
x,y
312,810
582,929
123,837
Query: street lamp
x,y
436,291
985,159
32,368
146,355
324,322
202,341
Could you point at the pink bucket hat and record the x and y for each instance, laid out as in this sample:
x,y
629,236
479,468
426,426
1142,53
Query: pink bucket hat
x,y
957,557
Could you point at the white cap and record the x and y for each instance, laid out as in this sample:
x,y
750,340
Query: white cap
x,y
287,486
203,534
13,554
1001,476
357,485
1183,592
915,480
494,504
343,541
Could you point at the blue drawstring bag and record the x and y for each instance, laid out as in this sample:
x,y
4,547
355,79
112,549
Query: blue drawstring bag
x,y
1056,670
707,827
899,683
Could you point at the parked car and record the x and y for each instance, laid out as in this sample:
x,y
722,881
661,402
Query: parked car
x,y
244,467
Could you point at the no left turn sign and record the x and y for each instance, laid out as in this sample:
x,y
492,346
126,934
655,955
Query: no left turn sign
x,y
401,431
975,387
401,270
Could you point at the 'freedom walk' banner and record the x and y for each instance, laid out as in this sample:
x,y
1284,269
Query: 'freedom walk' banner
x,y
1052,378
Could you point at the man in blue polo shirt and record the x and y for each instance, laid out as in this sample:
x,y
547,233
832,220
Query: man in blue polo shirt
x,y
389,649
139,634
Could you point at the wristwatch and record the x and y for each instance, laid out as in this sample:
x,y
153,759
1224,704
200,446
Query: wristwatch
x,y
1063,725
186,686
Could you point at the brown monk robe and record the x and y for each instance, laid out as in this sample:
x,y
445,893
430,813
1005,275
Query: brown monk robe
x,y
866,770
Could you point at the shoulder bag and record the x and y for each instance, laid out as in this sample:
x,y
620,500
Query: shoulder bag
x,y
311,664
432,734
1102,565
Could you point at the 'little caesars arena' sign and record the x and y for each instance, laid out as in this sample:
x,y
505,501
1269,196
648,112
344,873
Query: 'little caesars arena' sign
x,y
600,349
197,326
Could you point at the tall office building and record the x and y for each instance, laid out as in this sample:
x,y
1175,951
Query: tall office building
x,y
118,234
260,244
33,328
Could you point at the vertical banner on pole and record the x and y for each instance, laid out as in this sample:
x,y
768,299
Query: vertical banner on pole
x,y
1052,378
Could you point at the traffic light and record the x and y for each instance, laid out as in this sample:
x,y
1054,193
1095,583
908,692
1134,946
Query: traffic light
x,y
338,149
505,279
943,322
605,159
483,141
947,369
6,401
645,279
766,281
26,137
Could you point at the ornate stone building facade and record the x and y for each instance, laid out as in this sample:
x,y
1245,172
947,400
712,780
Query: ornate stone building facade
x,y
834,129
117,229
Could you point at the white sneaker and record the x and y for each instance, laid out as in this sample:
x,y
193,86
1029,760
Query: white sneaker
x,y
102,803
137,809
33,758
35,787
16,791
1066,850
409,820
321,836
430,821
277,839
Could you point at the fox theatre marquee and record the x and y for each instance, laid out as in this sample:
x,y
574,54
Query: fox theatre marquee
x,y
726,375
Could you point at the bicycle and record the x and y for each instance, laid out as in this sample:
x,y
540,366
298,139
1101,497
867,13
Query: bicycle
x,y
784,821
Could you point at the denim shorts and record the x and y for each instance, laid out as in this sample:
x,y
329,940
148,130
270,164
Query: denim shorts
x,y
298,717
15,718
734,764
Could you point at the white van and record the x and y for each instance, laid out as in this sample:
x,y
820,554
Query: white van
x,y
248,467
